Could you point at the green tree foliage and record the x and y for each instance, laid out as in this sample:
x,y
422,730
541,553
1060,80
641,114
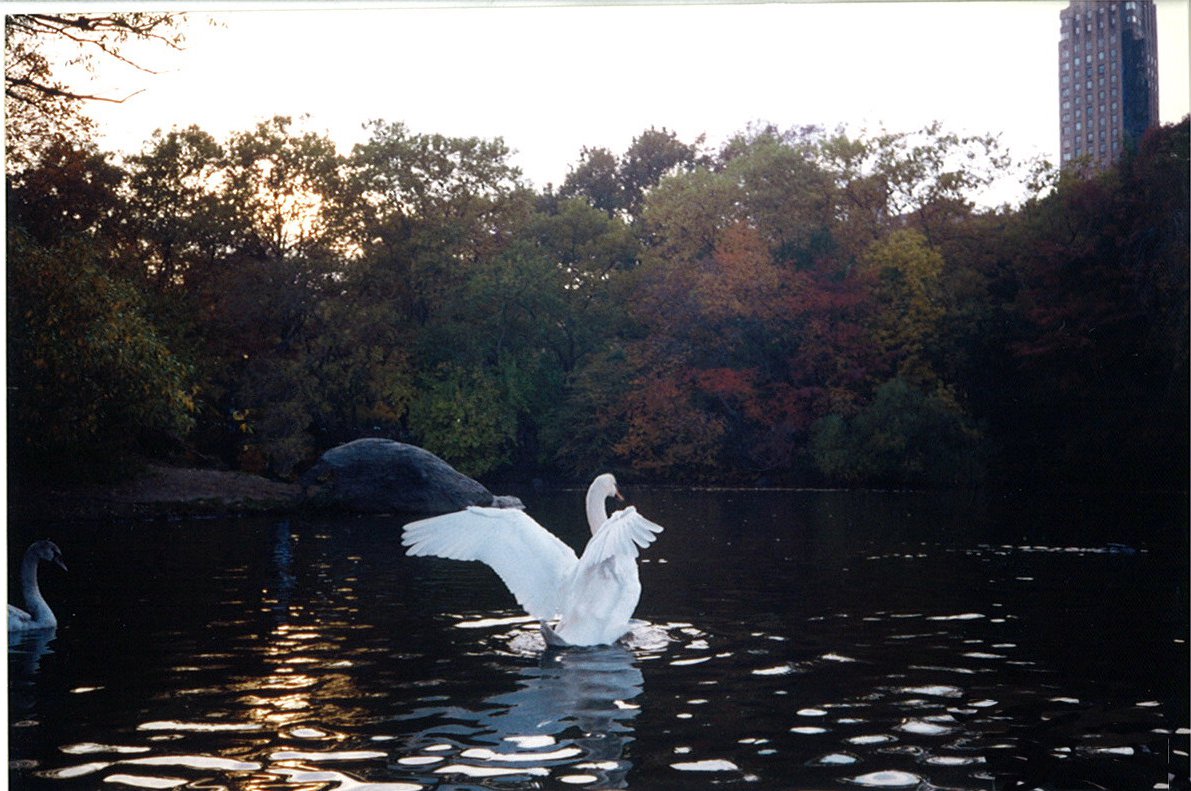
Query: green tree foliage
x,y
902,437
467,415
619,186
91,382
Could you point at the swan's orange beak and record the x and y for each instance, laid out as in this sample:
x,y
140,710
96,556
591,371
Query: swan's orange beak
x,y
60,563
618,495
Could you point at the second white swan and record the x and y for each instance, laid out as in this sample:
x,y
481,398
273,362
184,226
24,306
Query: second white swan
x,y
39,615
592,596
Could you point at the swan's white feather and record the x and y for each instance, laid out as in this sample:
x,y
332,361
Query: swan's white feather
x,y
532,562
605,588
620,535
18,618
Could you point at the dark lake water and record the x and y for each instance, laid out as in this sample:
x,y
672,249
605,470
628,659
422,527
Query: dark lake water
x,y
794,640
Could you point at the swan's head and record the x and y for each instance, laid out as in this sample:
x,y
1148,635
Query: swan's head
x,y
49,552
605,486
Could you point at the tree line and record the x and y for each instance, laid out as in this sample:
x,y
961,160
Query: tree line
x,y
801,306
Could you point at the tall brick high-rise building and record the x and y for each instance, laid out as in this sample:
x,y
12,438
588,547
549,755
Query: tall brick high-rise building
x,y
1108,78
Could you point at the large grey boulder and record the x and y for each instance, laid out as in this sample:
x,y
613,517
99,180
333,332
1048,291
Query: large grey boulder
x,y
382,476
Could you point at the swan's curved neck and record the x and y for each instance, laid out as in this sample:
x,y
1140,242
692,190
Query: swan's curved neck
x,y
34,601
597,509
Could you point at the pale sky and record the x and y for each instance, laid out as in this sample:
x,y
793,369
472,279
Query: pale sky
x,y
552,79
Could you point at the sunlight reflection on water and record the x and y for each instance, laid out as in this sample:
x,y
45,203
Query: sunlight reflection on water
x,y
316,657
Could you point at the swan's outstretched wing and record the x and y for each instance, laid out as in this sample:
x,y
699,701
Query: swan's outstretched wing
x,y
620,536
532,562
605,589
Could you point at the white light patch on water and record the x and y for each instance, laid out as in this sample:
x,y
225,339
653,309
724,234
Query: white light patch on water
x,y
606,766
935,690
965,616
532,741
1147,704
697,660
887,779
624,705
492,771
195,762
577,779
954,760
1072,701
484,754
341,781
197,727
1113,750
140,781
982,704
777,670
84,690
316,756
807,730
836,759
707,765
923,728
872,738
812,713
82,770
87,748
983,655
837,658
420,760
308,733
966,671
487,623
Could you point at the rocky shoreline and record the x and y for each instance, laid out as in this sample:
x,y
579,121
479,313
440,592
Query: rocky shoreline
x,y
368,476
160,492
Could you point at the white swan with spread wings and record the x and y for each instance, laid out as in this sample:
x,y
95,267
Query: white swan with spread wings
x,y
592,596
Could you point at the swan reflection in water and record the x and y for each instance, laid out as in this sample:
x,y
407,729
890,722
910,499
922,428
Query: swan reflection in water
x,y
25,652
571,716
